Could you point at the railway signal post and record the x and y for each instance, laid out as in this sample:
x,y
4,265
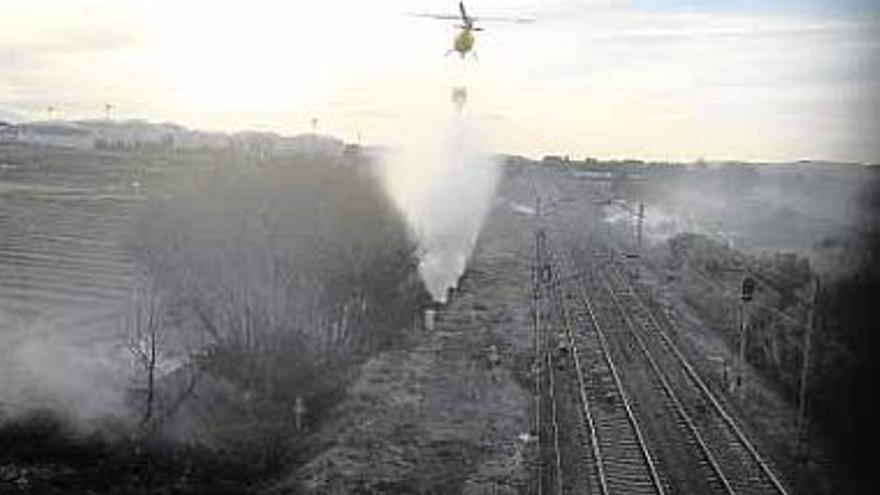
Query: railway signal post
x,y
746,295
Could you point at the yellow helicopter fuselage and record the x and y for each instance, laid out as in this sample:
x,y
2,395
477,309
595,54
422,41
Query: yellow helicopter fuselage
x,y
464,41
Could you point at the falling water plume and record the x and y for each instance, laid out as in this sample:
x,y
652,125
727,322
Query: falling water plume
x,y
443,182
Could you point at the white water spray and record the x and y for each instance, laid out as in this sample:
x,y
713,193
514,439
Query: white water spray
x,y
443,183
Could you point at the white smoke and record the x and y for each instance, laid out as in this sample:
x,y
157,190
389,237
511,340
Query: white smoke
x,y
42,366
443,183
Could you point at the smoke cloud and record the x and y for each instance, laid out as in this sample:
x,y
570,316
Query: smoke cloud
x,y
45,366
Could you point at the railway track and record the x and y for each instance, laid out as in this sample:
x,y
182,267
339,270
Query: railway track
x,y
592,440
623,462
736,467
550,453
743,467
565,453
688,464
651,424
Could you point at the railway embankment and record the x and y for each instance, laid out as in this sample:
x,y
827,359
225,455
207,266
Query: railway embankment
x,y
447,409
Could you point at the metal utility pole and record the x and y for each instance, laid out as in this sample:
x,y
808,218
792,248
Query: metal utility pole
x,y
802,443
536,321
640,215
541,244
641,221
539,237
314,136
741,359
544,271
299,411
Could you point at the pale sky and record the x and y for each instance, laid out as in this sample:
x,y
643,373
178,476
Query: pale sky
x,y
655,79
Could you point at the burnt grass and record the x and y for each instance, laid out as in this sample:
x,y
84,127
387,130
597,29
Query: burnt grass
x,y
42,454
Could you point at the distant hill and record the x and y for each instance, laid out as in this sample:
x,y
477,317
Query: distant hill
x,y
10,117
141,134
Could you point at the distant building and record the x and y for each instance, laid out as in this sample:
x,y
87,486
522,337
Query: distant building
x,y
556,160
57,134
311,143
8,132
597,175
352,150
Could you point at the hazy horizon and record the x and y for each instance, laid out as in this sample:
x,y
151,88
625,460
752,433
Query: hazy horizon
x,y
658,80
560,154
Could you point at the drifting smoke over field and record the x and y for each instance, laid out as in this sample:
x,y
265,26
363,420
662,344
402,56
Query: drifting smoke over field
x,y
443,183
808,208
42,367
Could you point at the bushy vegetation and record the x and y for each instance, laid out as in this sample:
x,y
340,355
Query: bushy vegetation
x,y
264,284
286,273
777,315
842,392
42,454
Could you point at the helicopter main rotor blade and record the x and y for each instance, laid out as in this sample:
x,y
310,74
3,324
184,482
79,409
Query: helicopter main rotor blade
x,y
464,16
518,20
442,17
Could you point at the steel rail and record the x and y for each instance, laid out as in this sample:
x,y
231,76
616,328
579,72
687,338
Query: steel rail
x,y
594,442
670,393
548,363
536,321
603,344
712,399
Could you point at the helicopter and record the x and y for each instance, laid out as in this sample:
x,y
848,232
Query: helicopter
x,y
463,43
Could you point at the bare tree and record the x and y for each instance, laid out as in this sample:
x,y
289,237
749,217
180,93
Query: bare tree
x,y
145,338
283,274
